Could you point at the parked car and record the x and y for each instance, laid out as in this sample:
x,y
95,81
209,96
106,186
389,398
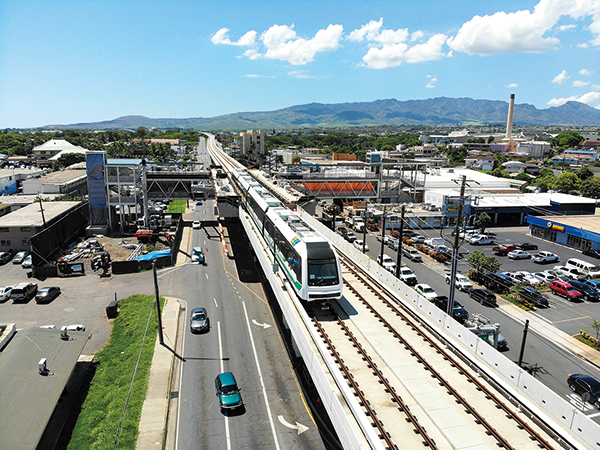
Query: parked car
x,y
544,257
199,202
593,284
5,293
393,243
483,296
23,292
19,257
503,250
409,233
407,276
519,254
482,239
460,282
47,294
196,225
350,237
529,278
573,274
412,254
592,253
588,292
199,320
545,276
526,246
76,327
418,239
565,290
459,312
228,391
5,257
586,386
385,238
342,231
359,245
498,282
533,296
27,262
388,263
515,277
426,291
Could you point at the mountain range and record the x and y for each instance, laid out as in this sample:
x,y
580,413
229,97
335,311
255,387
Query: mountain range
x,y
435,111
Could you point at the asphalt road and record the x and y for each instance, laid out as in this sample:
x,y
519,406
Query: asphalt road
x,y
553,363
242,339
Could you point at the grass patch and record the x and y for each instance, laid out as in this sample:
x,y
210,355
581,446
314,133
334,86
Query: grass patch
x,y
133,338
586,340
515,302
177,206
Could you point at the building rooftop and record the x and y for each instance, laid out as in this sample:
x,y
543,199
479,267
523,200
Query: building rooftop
x,y
451,178
30,215
57,145
28,398
536,200
123,162
61,176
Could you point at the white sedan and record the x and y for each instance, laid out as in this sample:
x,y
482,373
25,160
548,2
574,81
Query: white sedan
x,y
529,278
519,254
359,245
426,291
196,224
5,293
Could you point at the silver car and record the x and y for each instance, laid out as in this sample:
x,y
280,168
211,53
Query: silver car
x,y
199,320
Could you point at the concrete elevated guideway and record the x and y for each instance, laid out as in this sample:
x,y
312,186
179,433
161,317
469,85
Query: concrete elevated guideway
x,y
572,426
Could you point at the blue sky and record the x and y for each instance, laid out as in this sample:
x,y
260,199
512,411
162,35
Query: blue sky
x,y
82,61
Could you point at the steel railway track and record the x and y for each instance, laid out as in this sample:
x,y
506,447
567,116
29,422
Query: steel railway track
x,y
482,404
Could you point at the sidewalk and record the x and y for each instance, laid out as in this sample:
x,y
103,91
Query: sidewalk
x,y
550,332
154,412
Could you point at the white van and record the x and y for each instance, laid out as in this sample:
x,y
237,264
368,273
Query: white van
x,y
591,270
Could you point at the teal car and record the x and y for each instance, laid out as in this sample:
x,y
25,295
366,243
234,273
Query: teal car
x,y
228,391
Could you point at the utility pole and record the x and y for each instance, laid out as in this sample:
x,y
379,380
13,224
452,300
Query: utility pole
x,y
160,328
365,228
42,211
382,237
523,343
399,255
454,261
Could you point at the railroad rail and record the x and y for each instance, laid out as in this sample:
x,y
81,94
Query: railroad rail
x,y
481,402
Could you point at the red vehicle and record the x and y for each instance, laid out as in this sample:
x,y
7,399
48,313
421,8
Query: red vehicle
x,y
564,289
144,235
503,250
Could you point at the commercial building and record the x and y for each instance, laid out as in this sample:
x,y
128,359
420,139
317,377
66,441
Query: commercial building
x,y
253,142
65,182
17,227
11,179
581,232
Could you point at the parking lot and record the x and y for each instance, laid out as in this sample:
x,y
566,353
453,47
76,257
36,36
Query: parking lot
x,y
83,300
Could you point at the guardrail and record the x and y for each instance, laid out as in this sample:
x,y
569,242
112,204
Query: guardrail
x,y
568,422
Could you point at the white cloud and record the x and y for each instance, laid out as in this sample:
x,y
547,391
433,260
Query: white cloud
x,y
591,98
566,27
254,75
432,81
523,31
584,45
389,48
579,83
586,72
561,77
222,37
596,87
512,85
283,44
300,74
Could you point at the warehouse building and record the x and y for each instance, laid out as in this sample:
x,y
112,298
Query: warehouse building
x,y
581,232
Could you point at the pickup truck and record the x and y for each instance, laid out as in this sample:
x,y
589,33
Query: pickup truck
x,y
388,263
461,282
412,254
407,276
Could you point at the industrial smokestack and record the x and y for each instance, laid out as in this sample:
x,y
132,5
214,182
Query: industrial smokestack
x,y
509,122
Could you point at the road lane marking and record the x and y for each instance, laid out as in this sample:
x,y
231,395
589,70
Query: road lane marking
x,y
264,325
216,304
575,318
301,428
262,381
206,276
227,436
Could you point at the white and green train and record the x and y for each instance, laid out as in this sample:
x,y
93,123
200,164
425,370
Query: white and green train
x,y
308,260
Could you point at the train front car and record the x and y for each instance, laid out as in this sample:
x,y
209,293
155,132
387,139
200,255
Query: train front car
x,y
308,260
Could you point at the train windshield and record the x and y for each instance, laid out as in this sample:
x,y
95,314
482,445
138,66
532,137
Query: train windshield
x,y
322,272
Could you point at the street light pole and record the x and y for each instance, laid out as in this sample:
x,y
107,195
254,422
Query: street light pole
x,y
454,261
382,237
399,254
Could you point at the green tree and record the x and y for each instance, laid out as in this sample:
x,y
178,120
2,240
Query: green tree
x,y
482,263
590,188
523,177
482,221
490,139
584,173
567,139
296,159
567,182
545,171
457,155
499,159
500,173
546,182
69,159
